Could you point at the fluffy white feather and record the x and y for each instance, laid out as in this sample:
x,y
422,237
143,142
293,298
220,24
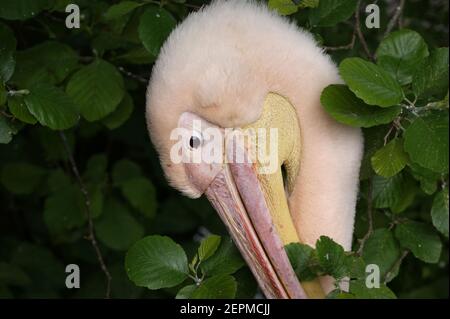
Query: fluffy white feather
x,y
220,63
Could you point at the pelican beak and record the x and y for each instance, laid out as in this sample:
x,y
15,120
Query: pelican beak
x,y
238,198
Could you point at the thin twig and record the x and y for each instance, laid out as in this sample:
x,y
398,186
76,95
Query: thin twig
x,y
87,201
6,114
369,218
395,18
397,264
344,47
359,32
132,75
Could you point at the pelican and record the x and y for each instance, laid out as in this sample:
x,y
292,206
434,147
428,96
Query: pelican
x,y
235,66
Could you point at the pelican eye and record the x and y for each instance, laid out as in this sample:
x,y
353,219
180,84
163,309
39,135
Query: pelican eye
x,y
195,141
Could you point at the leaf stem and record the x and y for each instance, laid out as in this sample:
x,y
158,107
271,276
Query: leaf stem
x,y
369,218
87,202
396,265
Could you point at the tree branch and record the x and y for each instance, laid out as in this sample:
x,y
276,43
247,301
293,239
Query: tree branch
x,y
369,218
359,32
87,202
344,47
397,264
356,33
395,18
133,76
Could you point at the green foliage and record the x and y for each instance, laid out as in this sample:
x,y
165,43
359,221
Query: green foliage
x,y
330,12
370,83
426,141
345,107
401,54
287,7
439,211
97,89
329,258
156,24
390,159
51,107
78,94
383,250
156,262
208,247
421,239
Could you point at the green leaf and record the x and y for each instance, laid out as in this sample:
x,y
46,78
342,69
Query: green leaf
x,y
116,228
21,178
300,257
49,61
407,196
6,131
156,262
58,180
3,95
397,192
309,3
246,284
186,292
139,55
208,247
421,239
121,9
382,249
431,80
330,12
370,82
426,141
13,275
154,27
427,178
387,191
216,287
96,197
284,7
227,260
346,108
97,89
355,267
390,159
51,107
121,114
7,49
142,195
401,53
439,212
125,170
63,210
22,9
359,289
331,257
44,269
18,108
96,168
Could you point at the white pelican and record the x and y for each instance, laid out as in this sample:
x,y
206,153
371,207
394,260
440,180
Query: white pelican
x,y
236,65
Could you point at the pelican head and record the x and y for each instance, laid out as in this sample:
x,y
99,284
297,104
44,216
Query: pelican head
x,y
233,109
